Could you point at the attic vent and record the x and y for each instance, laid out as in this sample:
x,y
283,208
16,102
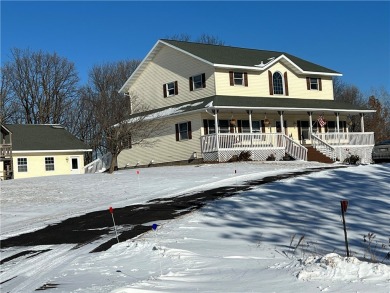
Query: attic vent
x,y
57,127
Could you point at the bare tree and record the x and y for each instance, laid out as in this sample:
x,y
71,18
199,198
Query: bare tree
x,y
41,85
209,39
204,39
349,94
379,122
118,121
8,108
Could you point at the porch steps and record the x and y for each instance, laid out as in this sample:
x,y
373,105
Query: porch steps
x,y
314,155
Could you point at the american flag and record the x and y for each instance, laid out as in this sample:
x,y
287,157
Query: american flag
x,y
321,121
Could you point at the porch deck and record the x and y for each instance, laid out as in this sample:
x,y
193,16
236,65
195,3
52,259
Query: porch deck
x,y
337,146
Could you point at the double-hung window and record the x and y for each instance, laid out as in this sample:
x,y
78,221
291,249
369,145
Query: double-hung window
x,y
170,89
238,78
183,131
314,83
49,163
197,81
22,164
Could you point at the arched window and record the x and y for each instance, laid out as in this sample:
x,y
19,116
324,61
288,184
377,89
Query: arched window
x,y
277,83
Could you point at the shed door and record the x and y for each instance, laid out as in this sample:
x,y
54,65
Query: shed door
x,y
74,161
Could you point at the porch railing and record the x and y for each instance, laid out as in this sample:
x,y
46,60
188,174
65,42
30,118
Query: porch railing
x,y
209,143
347,138
252,141
5,150
323,147
294,149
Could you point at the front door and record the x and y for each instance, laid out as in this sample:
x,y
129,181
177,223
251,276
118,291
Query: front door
x,y
304,131
75,165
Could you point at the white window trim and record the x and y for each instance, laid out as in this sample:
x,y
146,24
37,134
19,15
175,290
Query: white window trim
x,y
273,84
317,84
167,89
242,78
201,82
49,164
22,165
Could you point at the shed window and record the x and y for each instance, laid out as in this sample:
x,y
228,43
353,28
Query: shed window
x,y
22,164
49,163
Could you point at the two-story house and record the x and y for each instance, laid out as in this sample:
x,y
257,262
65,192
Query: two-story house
x,y
219,101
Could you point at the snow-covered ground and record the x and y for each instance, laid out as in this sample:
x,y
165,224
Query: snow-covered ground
x,y
285,236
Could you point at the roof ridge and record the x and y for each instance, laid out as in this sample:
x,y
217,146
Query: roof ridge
x,y
216,45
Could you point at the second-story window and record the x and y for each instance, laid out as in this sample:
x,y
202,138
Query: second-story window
x,y
170,89
277,81
238,78
197,81
314,83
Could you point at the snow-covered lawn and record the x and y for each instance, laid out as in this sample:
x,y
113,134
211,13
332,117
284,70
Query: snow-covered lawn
x,y
285,236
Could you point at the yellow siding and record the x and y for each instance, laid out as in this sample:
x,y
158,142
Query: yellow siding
x,y
258,85
170,65
166,149
36,164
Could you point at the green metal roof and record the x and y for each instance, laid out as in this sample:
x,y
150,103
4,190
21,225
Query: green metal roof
x,y
218,54
38,137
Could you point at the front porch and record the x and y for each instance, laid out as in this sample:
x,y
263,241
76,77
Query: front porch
x,y
222,147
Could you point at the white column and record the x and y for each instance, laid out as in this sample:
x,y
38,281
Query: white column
x,y
338,126
216,128
310,123
281,122
250,120
362,122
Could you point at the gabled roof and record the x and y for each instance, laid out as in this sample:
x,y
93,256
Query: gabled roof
x,y
44,137
233,57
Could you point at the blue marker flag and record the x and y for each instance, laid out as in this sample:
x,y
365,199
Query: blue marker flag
x,y
154,226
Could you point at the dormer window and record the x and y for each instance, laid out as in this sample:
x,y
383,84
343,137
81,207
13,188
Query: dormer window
x,y
314,83
170,89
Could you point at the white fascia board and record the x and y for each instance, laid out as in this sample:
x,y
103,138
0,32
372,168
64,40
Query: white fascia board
x,y
52,151
139,68
293,109
269,64
253,68
187,53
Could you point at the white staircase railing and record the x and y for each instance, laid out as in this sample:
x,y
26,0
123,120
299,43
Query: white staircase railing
x,y
294,149
323,147
99,165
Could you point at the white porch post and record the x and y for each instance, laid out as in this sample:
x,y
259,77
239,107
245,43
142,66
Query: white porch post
x,y
281,122
216,130
311,123
362,122
338,125
250,120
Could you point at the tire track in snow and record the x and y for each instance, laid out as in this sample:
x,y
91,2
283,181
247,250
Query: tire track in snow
x,y
32,272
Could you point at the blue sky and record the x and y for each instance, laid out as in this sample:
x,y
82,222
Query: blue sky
x,y
350,37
